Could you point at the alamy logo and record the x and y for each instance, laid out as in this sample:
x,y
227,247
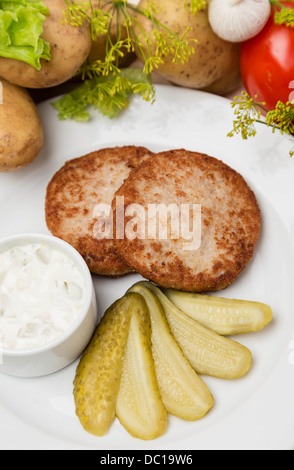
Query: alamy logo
x,y
1,352
291,96
1,93
291,353
154,222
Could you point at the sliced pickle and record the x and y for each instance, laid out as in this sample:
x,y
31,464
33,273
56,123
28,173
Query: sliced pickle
x,y
207,352
139,405
224,316
98,374
183,393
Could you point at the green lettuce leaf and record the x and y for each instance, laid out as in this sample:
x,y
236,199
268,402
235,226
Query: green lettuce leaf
x,y
21,27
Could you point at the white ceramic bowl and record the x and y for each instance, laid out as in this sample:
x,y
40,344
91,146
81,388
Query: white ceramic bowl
x,y
68,347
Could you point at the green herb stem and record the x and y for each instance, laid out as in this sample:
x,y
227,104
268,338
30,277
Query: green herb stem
x,y
247,112
105,85
283,15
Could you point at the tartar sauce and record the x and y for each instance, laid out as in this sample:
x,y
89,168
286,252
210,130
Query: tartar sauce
x,y
41,294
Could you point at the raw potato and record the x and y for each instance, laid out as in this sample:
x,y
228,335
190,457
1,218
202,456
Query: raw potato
x,y
215,65
21,132
98,50
69,46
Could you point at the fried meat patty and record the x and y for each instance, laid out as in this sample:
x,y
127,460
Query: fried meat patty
x,y
230,222
74,193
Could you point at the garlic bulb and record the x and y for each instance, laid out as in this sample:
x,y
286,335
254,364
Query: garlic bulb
x,y
238,20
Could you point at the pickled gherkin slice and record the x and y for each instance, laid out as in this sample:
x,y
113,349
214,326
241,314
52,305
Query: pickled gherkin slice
x,y
139,405
98,374
224,316
207,352
183,393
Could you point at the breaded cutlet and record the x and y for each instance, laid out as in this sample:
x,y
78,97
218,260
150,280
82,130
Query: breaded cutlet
x,y
77,189
230,221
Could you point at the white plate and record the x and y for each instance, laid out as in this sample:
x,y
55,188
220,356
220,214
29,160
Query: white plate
x,y
255,412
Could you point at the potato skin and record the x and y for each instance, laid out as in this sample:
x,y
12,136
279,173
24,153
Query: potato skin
x,y
215,64
69,46
21,132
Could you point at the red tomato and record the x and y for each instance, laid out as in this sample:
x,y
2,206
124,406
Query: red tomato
x,y
267,63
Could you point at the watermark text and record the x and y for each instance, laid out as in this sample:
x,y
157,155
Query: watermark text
x,y
291,96
153,222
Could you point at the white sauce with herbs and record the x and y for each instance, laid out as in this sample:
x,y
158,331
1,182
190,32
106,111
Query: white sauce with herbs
x,y
41,294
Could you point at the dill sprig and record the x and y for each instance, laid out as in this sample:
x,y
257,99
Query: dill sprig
x,y
109,94
283,15
105,85
77,13
282,118
198,5
248,110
